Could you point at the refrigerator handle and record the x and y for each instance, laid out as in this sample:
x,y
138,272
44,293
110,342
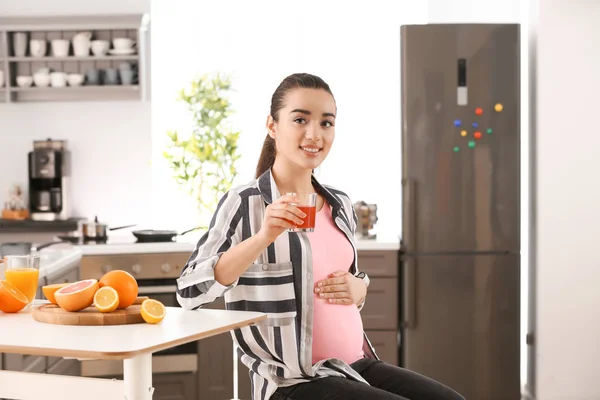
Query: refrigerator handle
x,y
409,305
409,215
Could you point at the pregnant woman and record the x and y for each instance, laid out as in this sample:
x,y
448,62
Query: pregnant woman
x,y
312,345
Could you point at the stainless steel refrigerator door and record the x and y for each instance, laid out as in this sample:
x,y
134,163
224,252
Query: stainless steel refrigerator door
x,y
461,323
468,199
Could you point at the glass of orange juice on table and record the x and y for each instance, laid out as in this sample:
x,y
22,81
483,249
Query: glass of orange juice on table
x,y
308,205
23,273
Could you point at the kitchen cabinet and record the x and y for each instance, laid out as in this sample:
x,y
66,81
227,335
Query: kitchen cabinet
x,y
175,387
19,61
380,313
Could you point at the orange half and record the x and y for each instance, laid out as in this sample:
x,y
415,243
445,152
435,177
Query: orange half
x,y
49,291
12,300
106,299
153,311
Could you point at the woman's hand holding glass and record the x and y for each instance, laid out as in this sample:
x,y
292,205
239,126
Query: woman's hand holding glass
x,y
279,216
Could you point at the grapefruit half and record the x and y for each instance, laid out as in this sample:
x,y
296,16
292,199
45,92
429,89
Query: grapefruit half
x,y
77,295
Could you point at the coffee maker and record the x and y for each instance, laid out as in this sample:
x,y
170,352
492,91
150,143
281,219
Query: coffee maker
x,y
49,178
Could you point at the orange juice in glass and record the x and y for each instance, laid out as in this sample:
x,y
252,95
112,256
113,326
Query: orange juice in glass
x,y
23,272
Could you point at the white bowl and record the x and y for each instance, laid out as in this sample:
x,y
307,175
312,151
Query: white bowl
x,y
75,79
41,80
24,81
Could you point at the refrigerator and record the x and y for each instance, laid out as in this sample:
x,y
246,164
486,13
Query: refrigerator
x,y
460,261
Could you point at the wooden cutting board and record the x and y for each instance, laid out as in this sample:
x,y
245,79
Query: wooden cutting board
x,y
53,314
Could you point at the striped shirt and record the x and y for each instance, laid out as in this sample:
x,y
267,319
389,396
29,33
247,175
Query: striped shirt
x,y
277,350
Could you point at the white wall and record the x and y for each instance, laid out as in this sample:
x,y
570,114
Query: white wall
x,y
568,194
110,141
475,11
355,47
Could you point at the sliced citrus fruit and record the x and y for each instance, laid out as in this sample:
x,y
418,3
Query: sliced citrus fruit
x,y
153,311
77,296
49,291
106,299
12,300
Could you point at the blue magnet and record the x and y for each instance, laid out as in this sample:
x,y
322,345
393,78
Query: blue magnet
x,y
475,124
457,122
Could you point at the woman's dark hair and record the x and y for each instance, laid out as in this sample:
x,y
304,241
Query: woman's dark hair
x,y
294,81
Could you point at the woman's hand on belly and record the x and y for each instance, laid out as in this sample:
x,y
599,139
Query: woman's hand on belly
x,y
341,287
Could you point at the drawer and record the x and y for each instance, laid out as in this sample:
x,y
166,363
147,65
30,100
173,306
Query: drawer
x,y
68,367
177,387
381,306
385,344
378,262
25,363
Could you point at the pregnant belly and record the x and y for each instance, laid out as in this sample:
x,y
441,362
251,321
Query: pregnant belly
x,y
337,332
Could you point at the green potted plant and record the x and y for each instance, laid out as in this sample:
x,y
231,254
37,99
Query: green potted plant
x,y
204,159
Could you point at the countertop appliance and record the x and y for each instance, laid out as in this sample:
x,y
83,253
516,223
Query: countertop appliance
x,y
49,179
460,297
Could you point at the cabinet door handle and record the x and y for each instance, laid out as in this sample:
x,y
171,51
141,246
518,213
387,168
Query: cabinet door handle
x,y
409,292
409,215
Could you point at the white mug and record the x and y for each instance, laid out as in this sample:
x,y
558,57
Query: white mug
x,y
60,47
37,47
58,79
81,48
100,47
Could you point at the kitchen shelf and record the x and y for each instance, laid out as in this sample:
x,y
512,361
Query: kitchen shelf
x,y
78,93
84,88
73,58
102,27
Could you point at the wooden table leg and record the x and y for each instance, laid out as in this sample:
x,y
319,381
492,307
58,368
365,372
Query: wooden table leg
x,y
137,377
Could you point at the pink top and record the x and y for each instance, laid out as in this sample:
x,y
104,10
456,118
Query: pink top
x,y
337,328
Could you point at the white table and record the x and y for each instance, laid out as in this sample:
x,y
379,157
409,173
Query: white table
x,y
134,344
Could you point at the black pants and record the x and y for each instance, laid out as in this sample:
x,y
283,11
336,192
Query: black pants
x,y
387,382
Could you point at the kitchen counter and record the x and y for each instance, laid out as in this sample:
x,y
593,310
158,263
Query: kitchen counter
x,y
28,225
128,245
54,261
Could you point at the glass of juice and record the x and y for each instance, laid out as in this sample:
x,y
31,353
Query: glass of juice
x,y
308,205
23,272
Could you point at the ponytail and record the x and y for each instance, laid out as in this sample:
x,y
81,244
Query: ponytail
x,y
267,156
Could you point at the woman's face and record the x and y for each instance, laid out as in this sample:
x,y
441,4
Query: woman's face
x,y
306,127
